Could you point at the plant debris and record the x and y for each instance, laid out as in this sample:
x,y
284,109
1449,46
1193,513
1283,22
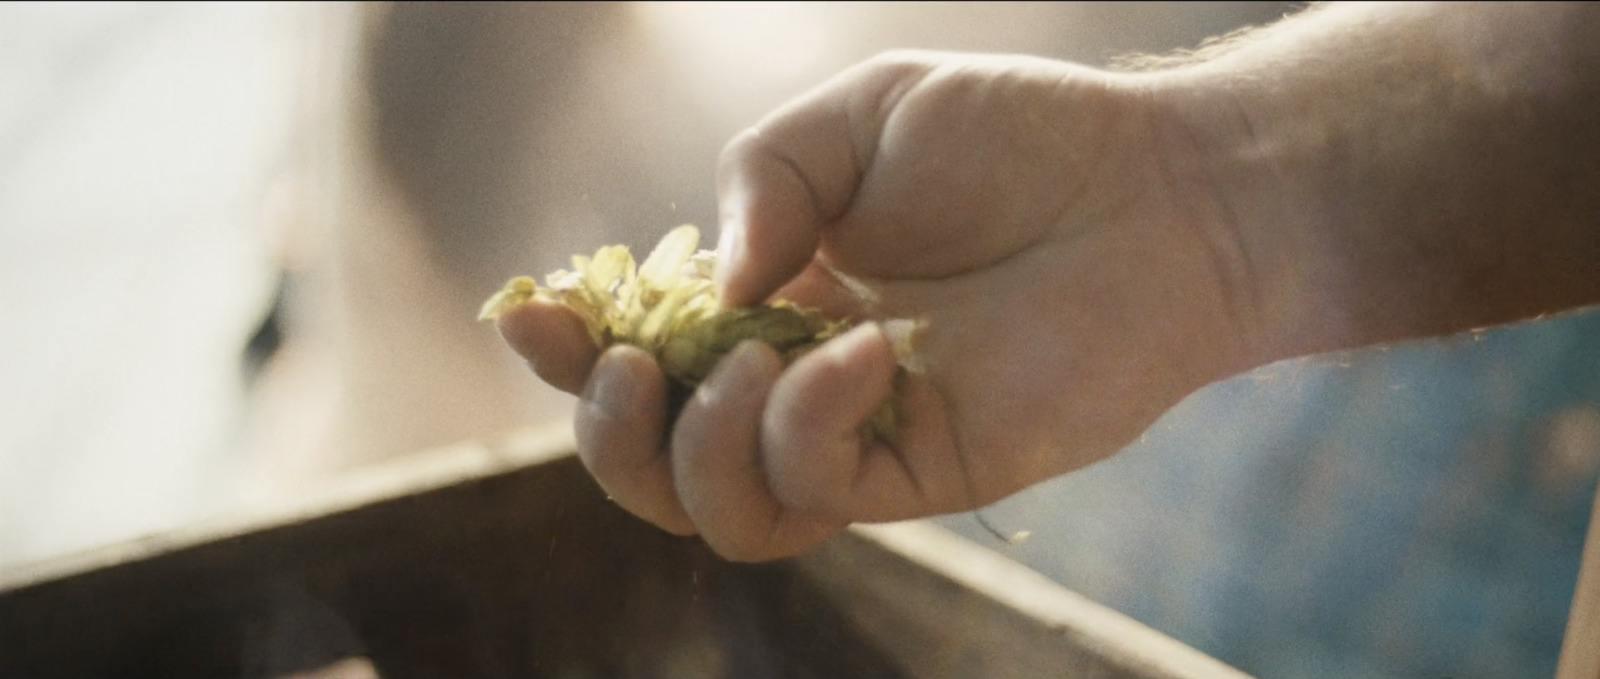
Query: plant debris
x,y
669,307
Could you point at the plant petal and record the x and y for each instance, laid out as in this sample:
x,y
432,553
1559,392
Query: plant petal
x,y
660,269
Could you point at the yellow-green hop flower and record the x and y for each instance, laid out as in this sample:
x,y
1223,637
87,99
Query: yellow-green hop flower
x,y
669,307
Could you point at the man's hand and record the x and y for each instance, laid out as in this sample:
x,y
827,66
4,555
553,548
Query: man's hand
x,y
1087,248
1074,282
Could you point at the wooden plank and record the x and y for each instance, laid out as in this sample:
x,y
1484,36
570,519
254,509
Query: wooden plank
x,y
1580,648
461,563
942,606
477,561
409,475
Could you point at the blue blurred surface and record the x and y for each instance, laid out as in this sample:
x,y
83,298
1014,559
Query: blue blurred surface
x,y
1412,511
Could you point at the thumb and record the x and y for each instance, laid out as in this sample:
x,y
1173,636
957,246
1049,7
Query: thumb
x,y
781,183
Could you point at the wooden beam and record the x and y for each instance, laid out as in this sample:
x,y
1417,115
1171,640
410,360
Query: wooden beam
x,y
942,606
508,561
1580,649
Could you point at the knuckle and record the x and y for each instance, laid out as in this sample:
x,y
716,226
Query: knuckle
x,y
748,143
744,550
897,57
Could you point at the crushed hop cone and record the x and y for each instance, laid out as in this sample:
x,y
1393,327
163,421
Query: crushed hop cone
x,y
669,307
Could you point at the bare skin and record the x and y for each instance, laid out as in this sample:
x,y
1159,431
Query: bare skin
x,y
1088,248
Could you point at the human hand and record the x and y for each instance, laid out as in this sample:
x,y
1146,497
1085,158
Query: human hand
x,y
1047,222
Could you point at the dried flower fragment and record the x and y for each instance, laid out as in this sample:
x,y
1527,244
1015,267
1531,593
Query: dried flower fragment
x,y
669,307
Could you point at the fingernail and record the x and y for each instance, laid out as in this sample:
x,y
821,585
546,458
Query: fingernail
x,y
610,387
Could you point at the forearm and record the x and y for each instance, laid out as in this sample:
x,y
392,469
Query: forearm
x,y
1409,170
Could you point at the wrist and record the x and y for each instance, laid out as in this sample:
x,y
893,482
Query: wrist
x,y
1391,173
1248,200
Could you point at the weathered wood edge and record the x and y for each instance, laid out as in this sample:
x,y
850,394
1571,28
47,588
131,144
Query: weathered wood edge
x,y
1119,640
1580,646
411,474
1045,605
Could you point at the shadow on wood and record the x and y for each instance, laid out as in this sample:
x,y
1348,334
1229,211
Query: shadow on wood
x,y
471,562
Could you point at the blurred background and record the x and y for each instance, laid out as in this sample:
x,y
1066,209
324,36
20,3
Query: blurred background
x,y
242,245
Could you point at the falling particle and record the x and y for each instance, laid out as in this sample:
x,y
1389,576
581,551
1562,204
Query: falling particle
x,y
1014,538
